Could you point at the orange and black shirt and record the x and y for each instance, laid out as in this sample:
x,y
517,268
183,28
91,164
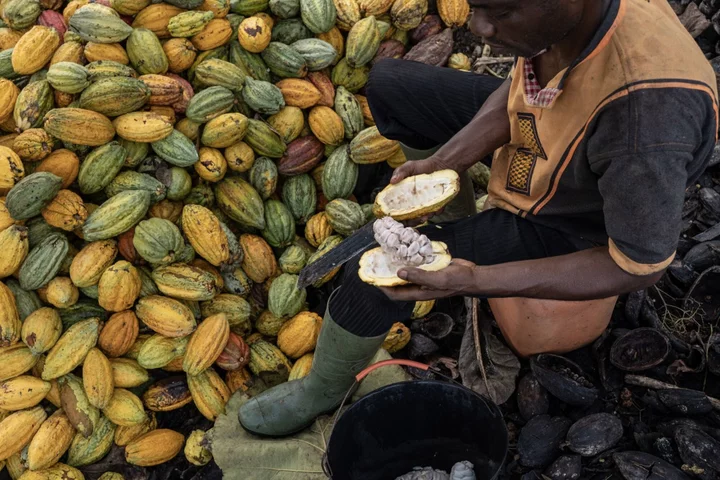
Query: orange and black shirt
x,y
607,149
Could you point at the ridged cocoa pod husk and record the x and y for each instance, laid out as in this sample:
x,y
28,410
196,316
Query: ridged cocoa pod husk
x,y
430,25
389,49
301,156
433,50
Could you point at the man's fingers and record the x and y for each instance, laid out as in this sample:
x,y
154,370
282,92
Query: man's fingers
x,y
418,276
411,293
462,261
403,171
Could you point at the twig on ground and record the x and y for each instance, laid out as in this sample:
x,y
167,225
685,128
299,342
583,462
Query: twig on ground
x,y
647,382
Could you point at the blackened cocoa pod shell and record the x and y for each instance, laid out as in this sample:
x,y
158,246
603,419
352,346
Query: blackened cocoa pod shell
x,y
643,466
430,25
301,156
594,434
539,440
697,448
437,325
564,379
167,394
640,349
532,398
421,346
434,50
685,402
567,467
389,49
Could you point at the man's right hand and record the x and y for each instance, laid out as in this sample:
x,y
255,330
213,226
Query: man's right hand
x,y
417,167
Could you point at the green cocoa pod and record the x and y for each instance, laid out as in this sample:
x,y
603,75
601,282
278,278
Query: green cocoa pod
x,y
290,31
285,8
345,216
263,97
363,42
146,53
43,262
300,195
279,229
100,24
100,69
251,63
131,180
115,96
318,54
248,7
210,103
158,241
176,149
284,61
293,260
339,175
68,77
318,15
21,14
285,299
216,72
241,202
351,78
26,301
117,215
350,112
33,102
190,23
177,181
264,177
31,194
264,140
100,167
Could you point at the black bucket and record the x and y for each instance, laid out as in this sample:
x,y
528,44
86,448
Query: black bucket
x,y
435,424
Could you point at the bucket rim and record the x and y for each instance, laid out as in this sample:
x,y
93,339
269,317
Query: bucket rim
x,y
493,408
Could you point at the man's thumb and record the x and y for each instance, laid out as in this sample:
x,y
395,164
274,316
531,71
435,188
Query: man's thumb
x,y
402,172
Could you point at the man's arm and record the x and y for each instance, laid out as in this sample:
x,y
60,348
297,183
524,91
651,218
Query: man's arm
x,y
486,132
585,275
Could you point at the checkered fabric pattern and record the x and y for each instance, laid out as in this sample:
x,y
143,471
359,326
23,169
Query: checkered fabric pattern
x,y
521,170
529,134
535,95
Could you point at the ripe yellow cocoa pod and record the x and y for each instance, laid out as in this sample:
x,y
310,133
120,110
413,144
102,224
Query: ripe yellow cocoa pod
x,y
454,13
41,330
422,309
259,262
91,261
63,163
34,49
59,471
209,393
181,54
17,429
98,378
125,408
16,360
302,367
125,435
10,325
318,229
22,392
254,34
127,373
50,442
154,448
106,51
166,316
14,247
195,451
119,287
69,52
72,347
206,344
326,125
204,232
61,292
239,157
11,169
142,127
215,34
8,95
299,335
66,211
299,93
212,165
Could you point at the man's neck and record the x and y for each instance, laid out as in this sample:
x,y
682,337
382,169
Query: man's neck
x,y
560,55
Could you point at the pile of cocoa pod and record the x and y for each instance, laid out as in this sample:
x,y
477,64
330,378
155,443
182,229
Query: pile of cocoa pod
x,y
166,171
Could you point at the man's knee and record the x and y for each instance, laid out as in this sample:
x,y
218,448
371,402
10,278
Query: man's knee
x,y
383,83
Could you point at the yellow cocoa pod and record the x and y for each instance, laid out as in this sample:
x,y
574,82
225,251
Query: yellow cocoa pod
x,y
302,367
93,259
299,93
224,130
14,247
156,18
163,90
215,34
119,334
69,52
206,344
254,34
143,127
127,373
16,360
18,429
111,476
61,293
125,408
181,54
22,392
9,318
53,396
365,107
50,442
189,128
239,157
335,38
11,169
8,95
299,335
72,347
79,126
125,435
163,111
8,140
72,7
209,393
33,144
240,379
258,263
98,378
154,448
166,209
374,7
106,51
459,61
41,330
397,338
422,308
212,165
34,49
326,125
369,146
166,316
119,287
454,13
397,159
9,38
220,8
129,7
175,365
63,163
195,451
318,229
66,211
288,122
204,232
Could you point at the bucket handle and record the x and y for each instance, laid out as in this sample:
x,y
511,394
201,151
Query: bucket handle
x,y
395,361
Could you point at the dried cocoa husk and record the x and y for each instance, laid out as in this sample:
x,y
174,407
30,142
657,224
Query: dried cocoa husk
x,y
434,50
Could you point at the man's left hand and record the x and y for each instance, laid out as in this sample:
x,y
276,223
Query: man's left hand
x,y
459,278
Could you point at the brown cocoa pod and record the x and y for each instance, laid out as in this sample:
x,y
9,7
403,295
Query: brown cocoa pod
x,y
127,249
433,50
430,25
301,156
389,49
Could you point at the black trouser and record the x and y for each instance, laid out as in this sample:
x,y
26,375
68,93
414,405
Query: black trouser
x,y
424,106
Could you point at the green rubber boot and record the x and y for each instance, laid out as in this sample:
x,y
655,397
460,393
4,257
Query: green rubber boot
x,y
292,406
463,205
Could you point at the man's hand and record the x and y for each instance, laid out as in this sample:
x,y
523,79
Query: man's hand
x,y
457,279
417,167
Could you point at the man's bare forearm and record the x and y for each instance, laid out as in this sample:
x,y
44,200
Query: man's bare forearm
x,y
585,275
486,132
